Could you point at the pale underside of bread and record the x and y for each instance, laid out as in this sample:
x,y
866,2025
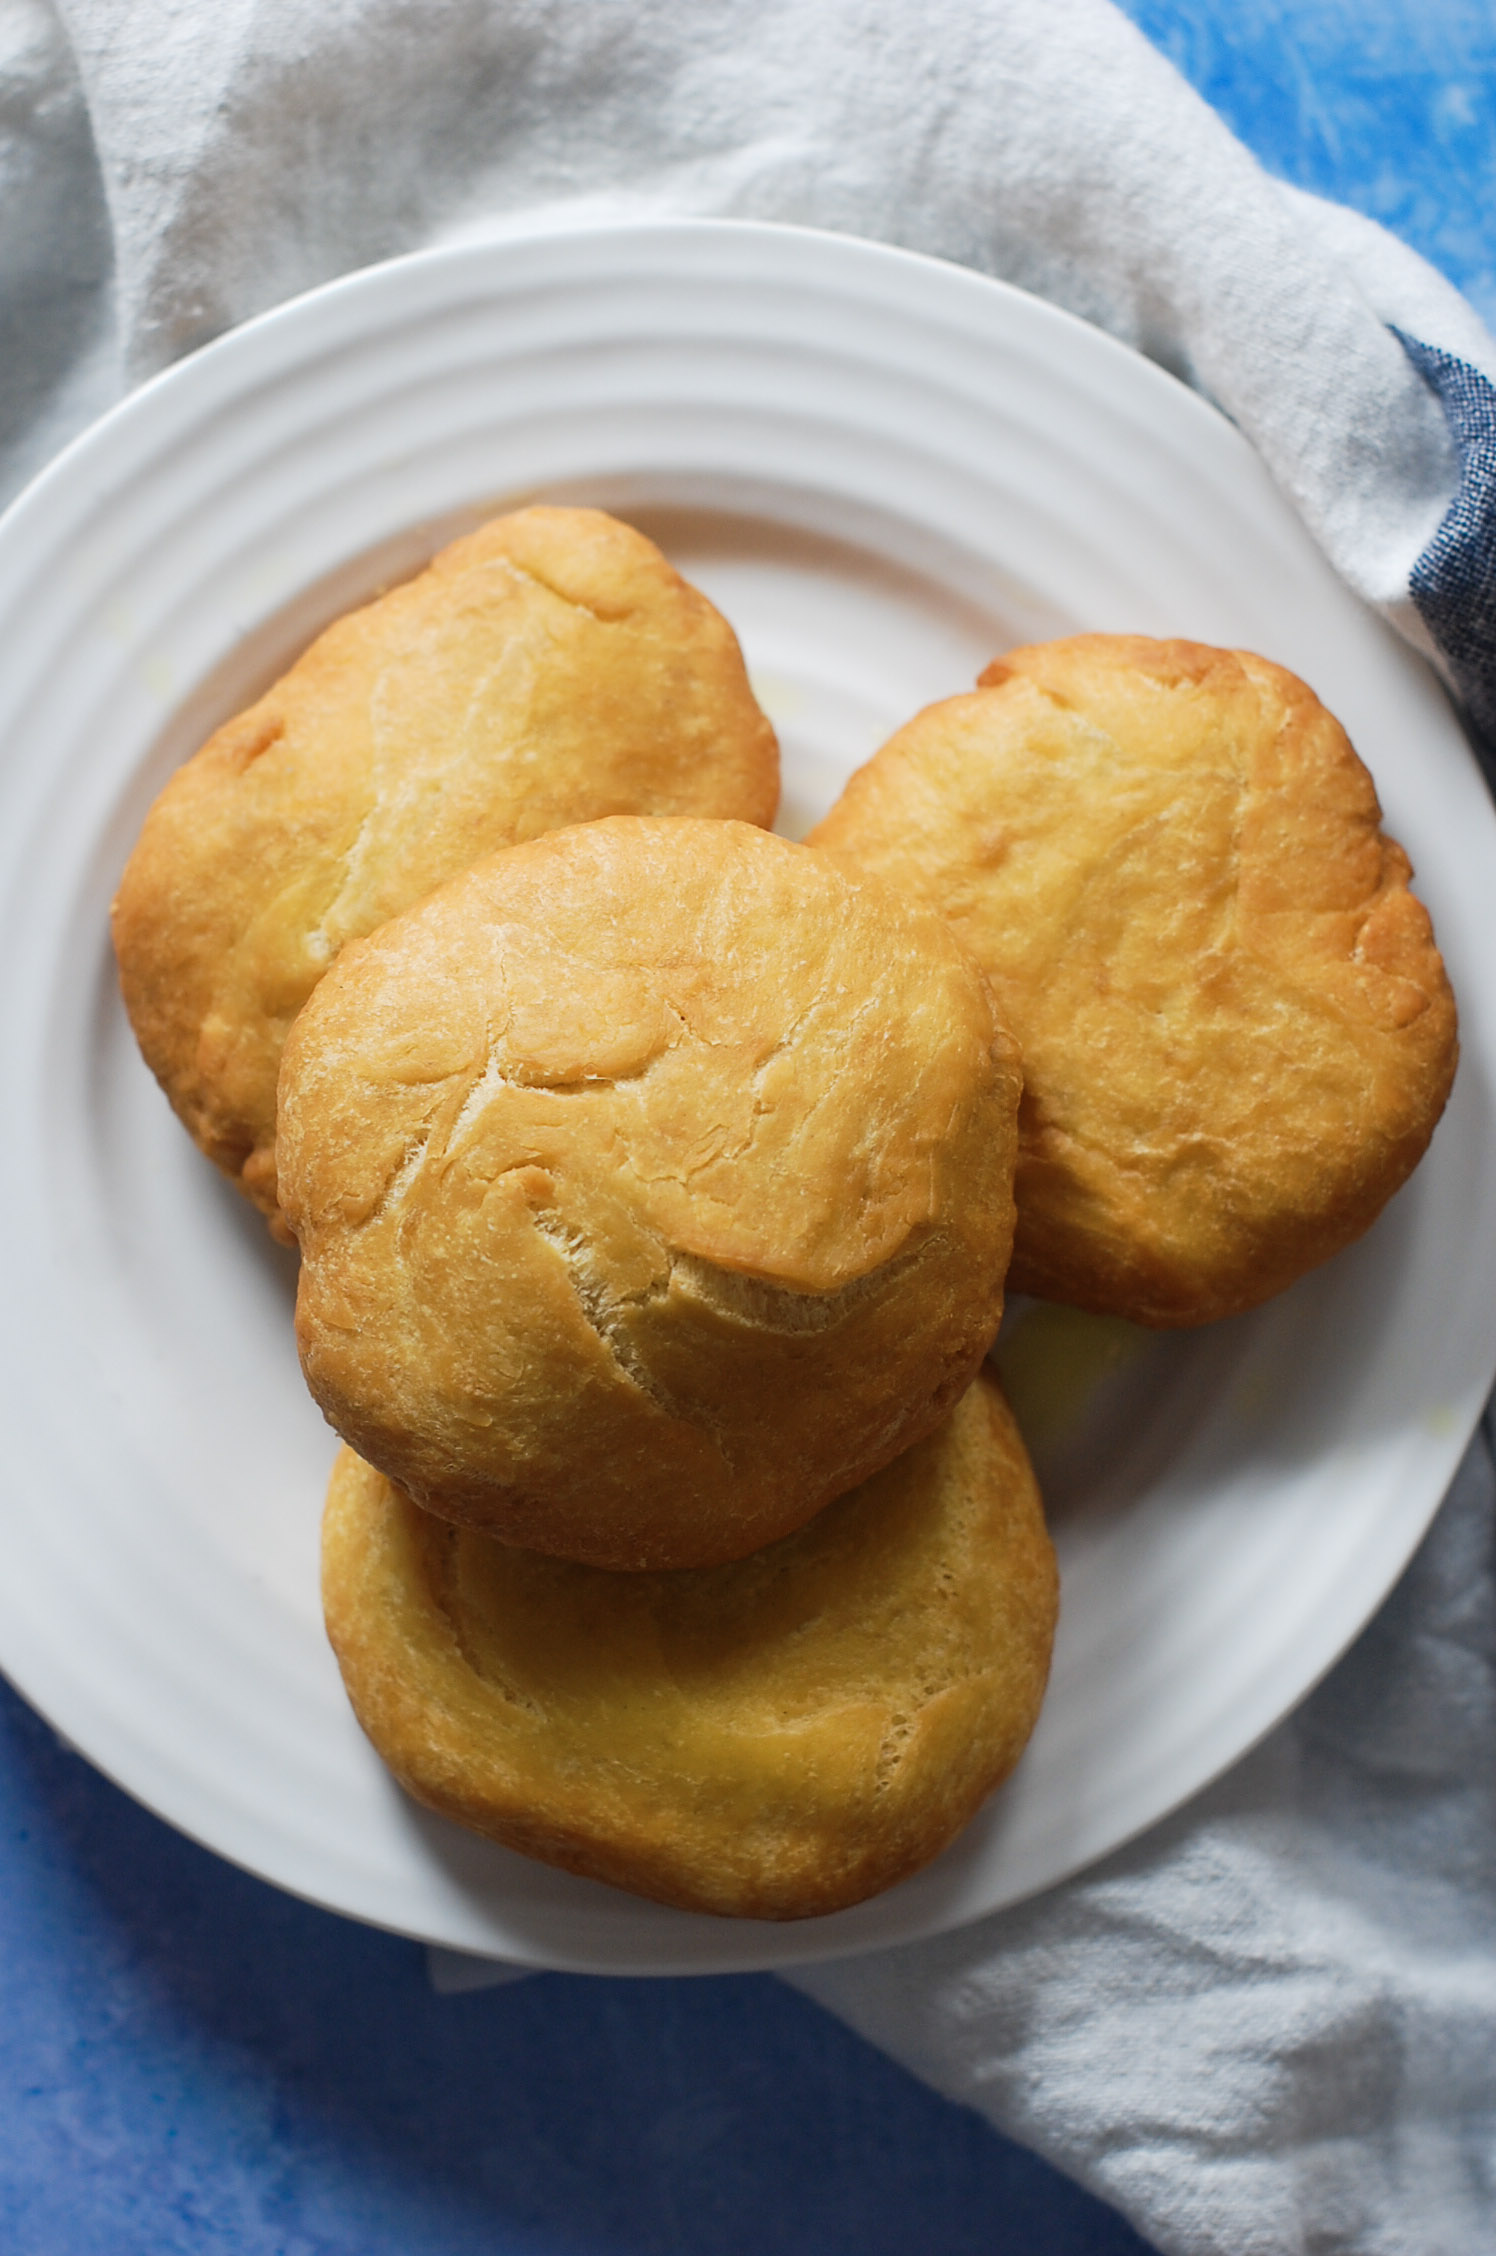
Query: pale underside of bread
x,y
774,1739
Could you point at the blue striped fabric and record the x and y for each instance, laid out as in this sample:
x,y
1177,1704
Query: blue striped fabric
x,y
1453,582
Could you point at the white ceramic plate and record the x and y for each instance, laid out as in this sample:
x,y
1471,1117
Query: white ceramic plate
x,y
884,470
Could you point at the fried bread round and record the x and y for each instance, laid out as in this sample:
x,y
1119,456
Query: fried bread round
x,y
772,1739
550,668
1236,1029
653,1183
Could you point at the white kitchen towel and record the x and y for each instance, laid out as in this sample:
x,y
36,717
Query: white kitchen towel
x,y
1265,2026
258,146
1269,2027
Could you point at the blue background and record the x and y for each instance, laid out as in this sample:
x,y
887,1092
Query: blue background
x,y
190,2061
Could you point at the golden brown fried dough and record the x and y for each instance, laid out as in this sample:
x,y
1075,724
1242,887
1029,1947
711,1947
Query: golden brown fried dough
x,y
550,668
1236,1029
653,1186
772,1739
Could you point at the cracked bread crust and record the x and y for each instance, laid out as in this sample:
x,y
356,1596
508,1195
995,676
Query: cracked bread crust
x,y
653,1182
550,668
1237,1031
774,1739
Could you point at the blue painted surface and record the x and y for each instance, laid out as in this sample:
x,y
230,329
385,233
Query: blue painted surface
x,y
1387,105
191,2062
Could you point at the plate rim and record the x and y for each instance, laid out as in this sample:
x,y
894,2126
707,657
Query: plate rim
x,y
365,284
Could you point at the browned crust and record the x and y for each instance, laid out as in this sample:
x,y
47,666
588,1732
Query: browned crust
x,y
548,668
1237,1031
653,1186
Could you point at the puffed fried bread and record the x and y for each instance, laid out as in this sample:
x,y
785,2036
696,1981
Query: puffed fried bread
x,y
1236,1028
653,1186
772,1739
549,668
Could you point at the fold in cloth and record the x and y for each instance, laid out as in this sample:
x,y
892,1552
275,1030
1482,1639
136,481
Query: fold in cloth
x,y
253,149
1264,2027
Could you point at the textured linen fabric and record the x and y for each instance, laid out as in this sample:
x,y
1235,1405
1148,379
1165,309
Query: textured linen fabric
x,y
253,149
1266,2025
1454,580
59,345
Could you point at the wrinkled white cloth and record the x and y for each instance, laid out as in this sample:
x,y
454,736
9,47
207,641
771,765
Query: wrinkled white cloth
x,y
1266,2026
1269,2027
257,147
